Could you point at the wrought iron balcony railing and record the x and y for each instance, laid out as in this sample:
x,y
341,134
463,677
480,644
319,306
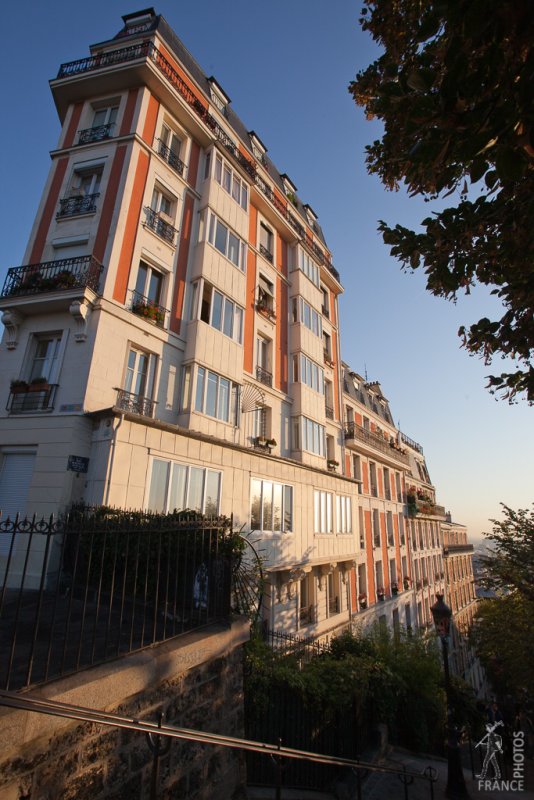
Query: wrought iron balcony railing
x,y
355,431
266,253
96,134
53,276
264,376
171,158
82,204
306,615
31,398
147,50
156,223
148,309
135,403
411,443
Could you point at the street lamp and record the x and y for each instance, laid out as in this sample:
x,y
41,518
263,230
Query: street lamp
x,y
456,787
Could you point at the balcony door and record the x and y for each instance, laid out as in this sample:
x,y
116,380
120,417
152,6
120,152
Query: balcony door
x,y
140,373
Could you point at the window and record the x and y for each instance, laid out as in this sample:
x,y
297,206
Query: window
x,y
379,577
170,148
334,606
309,435
389,527
308,316
216,396
104,119
163,203
372,475
308,266
307,371
219,311
149,283
140,372
325,306
231,182
271,507
263,360
401,530
45,359
105,116
344,514
392,570
83,192
328,395
327,347
323,516
306,599
260,421
266,242
226,242
362,528
357,471
265,294
176,486
387,484
376,527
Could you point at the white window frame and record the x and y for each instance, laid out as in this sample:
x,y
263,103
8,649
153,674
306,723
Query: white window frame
x,y
323,511
308,316
344,513
228,306
286,494
231,182
308,266
310,436
210,378
215,221
171,465
150,375
307,371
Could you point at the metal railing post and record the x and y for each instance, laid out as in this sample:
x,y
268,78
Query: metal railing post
x,y
158,750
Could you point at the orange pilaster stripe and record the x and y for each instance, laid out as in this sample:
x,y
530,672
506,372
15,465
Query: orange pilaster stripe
x,y
131,227
365,477
347,464
127,119
248,355
48,211
192,170
181,266
380,476
109,203
151,117
371,593
73,125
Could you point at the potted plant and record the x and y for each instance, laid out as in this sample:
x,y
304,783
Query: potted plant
x,y
418,585
332,463
271,443
38,384
362,600
18,386
260,441
395,587
406,582
381,593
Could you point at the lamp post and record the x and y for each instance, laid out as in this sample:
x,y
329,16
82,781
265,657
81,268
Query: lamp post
x,y
456,787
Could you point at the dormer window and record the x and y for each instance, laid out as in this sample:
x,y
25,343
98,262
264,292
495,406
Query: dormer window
x,y
289,187
258,148
311,215
219,98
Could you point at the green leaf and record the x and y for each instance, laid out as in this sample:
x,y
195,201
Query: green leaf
x,y
510,164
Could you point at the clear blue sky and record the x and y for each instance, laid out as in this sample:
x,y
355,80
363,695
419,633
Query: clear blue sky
x,y
286,64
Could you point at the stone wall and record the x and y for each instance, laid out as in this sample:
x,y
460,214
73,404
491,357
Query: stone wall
x,y
195,680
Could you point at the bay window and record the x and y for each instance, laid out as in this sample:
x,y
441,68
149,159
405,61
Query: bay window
x,y
216,396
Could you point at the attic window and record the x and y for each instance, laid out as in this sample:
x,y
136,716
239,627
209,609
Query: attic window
x,y
289,186
218,97
312,216
258,148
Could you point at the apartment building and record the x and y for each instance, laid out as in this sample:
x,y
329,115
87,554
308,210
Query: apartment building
x,y
461,594
172,339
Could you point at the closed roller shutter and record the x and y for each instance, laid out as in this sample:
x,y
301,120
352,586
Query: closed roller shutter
x,y
16,470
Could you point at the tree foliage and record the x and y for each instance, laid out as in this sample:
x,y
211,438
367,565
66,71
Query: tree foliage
x,y
453,88
502,631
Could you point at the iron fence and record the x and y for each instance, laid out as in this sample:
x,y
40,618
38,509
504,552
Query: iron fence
x,y
100,583
53,276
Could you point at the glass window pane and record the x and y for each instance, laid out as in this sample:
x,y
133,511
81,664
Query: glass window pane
x,y
288,508
154,287
216,312
277,507
238,325
236,189
140,283
139,384
196,485
228,317
317,511
244,196
323,512
221,234
218,169
199,400
177,488
267,506
255,505
211,394
233,249
307,315
329,512
227,178
211,501
158,486
223,410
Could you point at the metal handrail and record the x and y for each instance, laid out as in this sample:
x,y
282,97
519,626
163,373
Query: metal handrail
x,y
84,714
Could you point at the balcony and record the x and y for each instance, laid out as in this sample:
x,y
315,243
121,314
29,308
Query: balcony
x,y
27,398
97,134
264,376
53,276
148,309
74,206
135,403
266,253
354,433
424,506
327,357
329,412
454,549
265,304
171,158
159,226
